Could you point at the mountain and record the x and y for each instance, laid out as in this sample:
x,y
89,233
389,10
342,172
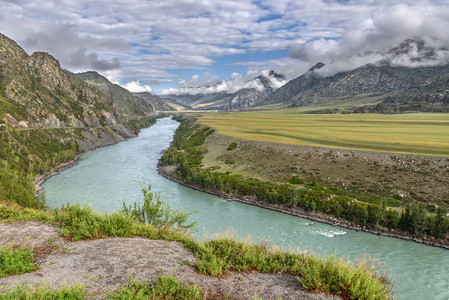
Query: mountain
x,y
162,104
431,95
259,88
128,103
213,101
250,97
291,89
36,92
310,88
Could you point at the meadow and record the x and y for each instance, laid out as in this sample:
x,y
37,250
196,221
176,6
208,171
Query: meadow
x,y
417,133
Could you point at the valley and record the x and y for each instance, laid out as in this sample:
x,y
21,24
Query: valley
x,y
358,149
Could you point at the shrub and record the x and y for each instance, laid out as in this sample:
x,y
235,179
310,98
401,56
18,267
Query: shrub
x,y
393,202
229,162
166,287
397,197
158,213
13,262
232,146
431,208
296,180
81,222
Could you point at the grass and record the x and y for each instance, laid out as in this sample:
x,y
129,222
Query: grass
x,y
420,133
24,292
216,257
358,280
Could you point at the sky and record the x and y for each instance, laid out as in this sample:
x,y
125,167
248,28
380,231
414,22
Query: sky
x,y
170,46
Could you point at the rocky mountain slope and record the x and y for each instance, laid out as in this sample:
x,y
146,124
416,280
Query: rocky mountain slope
x,y
431,95
162,104
214,101
128,103
36,92
310,87
384,77
47,117
250,97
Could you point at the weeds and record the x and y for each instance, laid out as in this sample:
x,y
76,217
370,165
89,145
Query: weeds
x,y
329,275
23,292
166,287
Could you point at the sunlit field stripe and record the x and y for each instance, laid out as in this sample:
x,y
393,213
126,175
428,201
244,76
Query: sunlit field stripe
x,y
421,133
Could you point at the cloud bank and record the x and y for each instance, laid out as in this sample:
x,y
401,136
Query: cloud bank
x,y
137,87
157,41
400,35
208,84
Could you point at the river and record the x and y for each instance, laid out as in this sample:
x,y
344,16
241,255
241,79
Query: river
x,y
106,177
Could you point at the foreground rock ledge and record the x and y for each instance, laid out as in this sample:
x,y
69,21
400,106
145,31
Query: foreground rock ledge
x,y
103,264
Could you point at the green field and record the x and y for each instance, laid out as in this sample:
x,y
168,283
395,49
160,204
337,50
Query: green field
x,y
418,133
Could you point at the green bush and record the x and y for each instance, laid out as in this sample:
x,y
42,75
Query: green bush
x,y
166,287
397,197
13,262
393,202
158,213
296,180
81,222
431,208
232,146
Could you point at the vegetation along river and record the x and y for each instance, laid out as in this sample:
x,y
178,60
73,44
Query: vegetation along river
x,y
108,176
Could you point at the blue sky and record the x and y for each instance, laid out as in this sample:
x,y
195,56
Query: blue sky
x,y
156,45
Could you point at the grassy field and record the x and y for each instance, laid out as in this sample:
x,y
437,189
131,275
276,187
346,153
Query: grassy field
x,y
418,133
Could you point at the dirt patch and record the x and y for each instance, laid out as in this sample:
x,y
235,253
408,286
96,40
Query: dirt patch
x,y
29,233
103,264
416,177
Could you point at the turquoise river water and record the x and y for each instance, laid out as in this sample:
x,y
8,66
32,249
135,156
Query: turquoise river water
x,y
108,176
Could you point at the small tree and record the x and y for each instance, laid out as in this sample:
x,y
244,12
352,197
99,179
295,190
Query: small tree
x,y
158,213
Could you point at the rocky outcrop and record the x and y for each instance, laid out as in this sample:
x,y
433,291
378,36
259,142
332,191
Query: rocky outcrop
x,y
103,264
124,99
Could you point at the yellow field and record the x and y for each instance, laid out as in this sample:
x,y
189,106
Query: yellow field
x,y
419,133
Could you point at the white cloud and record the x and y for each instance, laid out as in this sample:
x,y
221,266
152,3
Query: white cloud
x,y
208,84
137,87
152,40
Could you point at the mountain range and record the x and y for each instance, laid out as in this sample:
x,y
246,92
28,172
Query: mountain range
x,y
418,84
162,104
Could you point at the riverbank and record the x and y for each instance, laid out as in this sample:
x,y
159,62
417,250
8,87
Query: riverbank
x,y
93,138
169,173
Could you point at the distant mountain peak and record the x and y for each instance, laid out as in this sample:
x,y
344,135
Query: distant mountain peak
x,y
317,66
